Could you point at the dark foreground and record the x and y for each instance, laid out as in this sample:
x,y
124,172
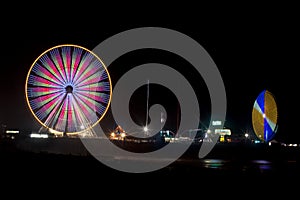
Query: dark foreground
x,y
226,164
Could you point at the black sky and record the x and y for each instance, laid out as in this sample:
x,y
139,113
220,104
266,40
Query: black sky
x,y
254,51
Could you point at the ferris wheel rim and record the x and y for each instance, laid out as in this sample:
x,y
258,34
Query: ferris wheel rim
x,y
96,57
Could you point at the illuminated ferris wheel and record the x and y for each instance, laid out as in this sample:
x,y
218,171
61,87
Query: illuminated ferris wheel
x,y
68,89
264,116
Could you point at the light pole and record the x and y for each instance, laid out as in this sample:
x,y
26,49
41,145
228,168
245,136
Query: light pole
x,y
246,136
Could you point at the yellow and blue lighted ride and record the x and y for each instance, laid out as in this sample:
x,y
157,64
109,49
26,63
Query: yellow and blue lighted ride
x,y
265,116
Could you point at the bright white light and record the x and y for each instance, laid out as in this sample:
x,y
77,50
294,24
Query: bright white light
x,y
246,135
162,119
112,134
264,115
223,131
208,131
217,123
11,131
123,135
81,127
36,135
145,129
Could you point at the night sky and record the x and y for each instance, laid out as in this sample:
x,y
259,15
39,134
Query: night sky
x,y
251,53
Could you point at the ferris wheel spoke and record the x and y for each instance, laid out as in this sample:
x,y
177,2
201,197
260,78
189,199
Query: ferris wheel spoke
x,y
60,119
43,100
44,82
44,73
44,110
258,108
98,76
76,56
88,103
95,78
66,57
90,87
37,91
74,118
48,64
88,108
56,57
96,96
93,70
92,103
51,119
84,63
82,115
39,81
100,87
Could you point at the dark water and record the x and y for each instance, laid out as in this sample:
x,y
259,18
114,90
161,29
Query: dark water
x,y
227,167
215,164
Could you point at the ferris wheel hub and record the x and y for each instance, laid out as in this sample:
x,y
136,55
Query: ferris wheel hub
x,y
69,89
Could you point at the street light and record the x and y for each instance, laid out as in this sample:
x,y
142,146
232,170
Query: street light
x,y
145,129
247,137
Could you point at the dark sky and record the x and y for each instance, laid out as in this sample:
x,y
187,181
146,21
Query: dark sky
x,y
254,51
